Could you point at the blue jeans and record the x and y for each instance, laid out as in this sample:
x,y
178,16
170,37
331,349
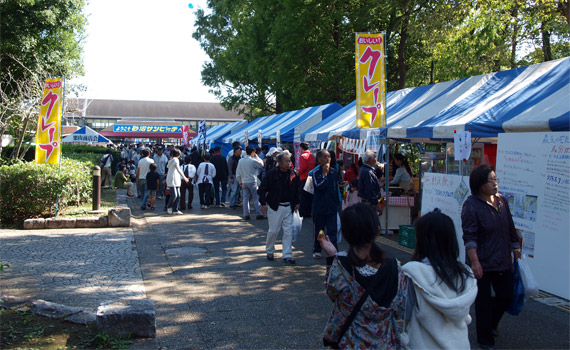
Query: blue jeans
x,y
224,184
144,192
250,191
174,198
235,190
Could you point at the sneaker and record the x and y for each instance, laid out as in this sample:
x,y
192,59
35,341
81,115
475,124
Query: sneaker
x,y
143,207
169,210
270,257
260,217
206,207
152,208
178,212
222,205
202,206
316,255
289,261
247,217
109,188
130,195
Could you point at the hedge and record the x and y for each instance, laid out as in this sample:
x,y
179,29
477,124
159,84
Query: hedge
x,y
29,190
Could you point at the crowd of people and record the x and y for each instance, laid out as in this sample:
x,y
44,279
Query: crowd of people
x,y
431,295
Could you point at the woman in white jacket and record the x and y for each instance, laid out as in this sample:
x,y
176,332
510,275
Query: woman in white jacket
x,y
173,181
442,289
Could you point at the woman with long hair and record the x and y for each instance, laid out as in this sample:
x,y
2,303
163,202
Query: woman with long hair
x,y
368,289
440,288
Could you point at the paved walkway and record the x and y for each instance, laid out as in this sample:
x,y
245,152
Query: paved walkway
x,y
213,288
75,267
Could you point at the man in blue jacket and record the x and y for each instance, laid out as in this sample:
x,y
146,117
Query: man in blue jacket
x,y
326,202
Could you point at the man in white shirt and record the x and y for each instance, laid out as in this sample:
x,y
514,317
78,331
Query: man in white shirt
x,y
160,160
142,170
106,162
189,171
246,174
205,174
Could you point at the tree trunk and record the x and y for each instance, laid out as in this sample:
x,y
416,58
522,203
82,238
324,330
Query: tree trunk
x,y
564,8
402,50
546,43
431,72
16,152
514,36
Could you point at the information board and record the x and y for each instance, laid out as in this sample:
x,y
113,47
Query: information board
x,y
534,174
447,193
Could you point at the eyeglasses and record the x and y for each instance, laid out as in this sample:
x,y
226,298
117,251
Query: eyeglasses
x,y
495,180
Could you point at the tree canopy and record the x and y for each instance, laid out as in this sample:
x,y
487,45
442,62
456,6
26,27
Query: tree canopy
x,y
269,56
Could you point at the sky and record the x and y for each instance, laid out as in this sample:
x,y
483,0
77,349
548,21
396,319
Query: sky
x,y
143,50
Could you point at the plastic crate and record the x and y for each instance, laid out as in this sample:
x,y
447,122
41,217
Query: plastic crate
x,y
407,236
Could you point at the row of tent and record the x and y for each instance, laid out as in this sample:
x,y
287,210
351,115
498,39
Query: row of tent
x,y
527,99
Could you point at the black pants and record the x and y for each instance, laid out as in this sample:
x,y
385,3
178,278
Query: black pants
x,y
183,187
205,192
306,205
329,223
488,309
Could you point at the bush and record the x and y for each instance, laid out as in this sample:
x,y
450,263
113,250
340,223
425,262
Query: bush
x,y
30,190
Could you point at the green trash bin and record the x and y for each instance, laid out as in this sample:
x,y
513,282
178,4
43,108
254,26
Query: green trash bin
x,y
407,236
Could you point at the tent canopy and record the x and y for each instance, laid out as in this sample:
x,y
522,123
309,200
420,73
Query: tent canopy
x,y
216,133
532,98
86,135
290,124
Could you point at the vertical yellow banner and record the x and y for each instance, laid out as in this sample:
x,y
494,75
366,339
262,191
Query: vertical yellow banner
x,y
370,81
48,137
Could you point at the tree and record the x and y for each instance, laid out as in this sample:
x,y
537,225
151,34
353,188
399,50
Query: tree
x,y
39,39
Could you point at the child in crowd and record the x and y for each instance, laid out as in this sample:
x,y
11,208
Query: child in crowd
x,y
152,184
352,195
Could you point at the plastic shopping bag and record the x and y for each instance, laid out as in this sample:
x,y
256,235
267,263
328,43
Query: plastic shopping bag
x,y
529,282
297,222
518,292
309,186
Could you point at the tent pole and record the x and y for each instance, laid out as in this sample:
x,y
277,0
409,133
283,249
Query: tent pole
x,y
387,185
60,143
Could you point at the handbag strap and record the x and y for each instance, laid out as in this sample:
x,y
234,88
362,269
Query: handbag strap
x,y
358,306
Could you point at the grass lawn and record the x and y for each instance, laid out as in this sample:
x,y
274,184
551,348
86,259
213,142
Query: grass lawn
x,y
25,330
108,200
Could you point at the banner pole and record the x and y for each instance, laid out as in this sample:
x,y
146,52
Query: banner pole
x,y
60,144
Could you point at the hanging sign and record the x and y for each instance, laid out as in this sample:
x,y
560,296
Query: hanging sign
x,y
370,81
202,133
246,134
48,136
259,137
352,146
462,144
278,138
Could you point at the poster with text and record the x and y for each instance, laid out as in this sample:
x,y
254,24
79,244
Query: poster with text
x,y
48,135
370,79
447,193
534,173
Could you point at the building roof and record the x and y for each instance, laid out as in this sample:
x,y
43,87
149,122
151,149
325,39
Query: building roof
x,y
118,109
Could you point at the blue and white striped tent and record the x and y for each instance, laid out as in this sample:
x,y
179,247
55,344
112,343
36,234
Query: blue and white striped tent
x,y
290,124
532,98
216,134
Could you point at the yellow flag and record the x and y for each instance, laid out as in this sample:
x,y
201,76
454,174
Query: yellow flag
x,y
48,137
370,81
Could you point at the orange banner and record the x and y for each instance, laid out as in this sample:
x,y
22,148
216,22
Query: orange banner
x,y
370,81
48,137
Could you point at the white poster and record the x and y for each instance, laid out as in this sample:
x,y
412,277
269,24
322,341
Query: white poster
x,y
278,138
259,137
462,144
447,193
534,174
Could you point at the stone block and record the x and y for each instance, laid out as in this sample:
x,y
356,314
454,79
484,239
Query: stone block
x,y
52,310
8,302
124,318
119,217
91,222
35,224
52,223
82,317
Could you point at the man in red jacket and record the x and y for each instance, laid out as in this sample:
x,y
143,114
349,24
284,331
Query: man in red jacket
x,y
306,164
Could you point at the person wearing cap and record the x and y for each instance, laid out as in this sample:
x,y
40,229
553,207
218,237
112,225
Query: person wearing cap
x,y
160,160
270,161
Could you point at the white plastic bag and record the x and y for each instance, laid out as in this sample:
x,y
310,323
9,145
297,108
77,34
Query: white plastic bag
x,y
309,187
529,282
297,222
